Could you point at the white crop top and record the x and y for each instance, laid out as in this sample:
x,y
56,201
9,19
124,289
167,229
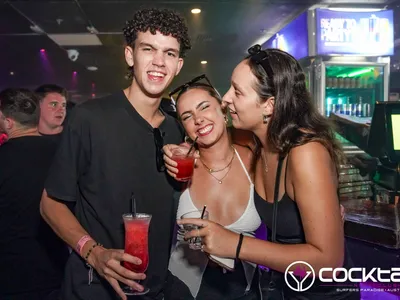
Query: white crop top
x,y
189,265
249,221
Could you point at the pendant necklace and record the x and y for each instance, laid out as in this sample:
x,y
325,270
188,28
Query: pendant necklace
x,y
264,160
220,179
211,170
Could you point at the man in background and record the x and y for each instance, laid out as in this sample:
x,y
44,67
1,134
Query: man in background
x,y
32,257
53,104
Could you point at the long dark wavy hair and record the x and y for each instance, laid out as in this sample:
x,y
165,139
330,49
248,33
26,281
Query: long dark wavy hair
x,y
295,120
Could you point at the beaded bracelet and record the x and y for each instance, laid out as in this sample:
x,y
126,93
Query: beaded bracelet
x,y
91,249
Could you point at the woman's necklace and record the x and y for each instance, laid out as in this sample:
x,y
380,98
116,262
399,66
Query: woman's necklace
x,y
223,177
228,166
210,170
264,160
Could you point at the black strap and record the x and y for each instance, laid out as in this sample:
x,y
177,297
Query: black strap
x,y
272,289
274,292
276,195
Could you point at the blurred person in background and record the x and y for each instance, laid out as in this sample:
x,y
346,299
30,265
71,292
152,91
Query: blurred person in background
x,y
32,257
53,109
3,138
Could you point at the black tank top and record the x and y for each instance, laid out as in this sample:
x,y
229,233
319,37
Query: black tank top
x,y
290,230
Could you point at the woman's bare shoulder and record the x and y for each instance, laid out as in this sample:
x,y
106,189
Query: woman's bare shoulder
x,y
246,154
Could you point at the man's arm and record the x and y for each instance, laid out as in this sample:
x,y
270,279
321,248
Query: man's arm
x,y
107,262
70,161
63,222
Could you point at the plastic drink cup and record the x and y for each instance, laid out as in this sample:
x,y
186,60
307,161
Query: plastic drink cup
x,y
185,163
136,244
194,243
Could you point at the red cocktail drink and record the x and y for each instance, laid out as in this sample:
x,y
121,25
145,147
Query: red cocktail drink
x,y
185,164
136,244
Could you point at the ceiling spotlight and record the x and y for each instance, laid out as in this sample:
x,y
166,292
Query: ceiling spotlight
x,y
92,68
203,62
196,11
36,29
42,50
92,29
11,73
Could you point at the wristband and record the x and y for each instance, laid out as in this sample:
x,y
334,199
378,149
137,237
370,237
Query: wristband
x,y
82,241
239,246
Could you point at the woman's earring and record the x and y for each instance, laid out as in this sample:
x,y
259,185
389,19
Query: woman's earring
x,y
265,119
226,120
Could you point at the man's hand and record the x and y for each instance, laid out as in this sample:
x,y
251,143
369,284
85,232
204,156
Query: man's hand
x,y
107,263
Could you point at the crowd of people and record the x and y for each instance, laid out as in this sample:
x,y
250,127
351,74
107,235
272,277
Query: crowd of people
x,y
64,185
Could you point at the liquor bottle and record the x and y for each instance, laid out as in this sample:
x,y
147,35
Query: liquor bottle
x,y
359,107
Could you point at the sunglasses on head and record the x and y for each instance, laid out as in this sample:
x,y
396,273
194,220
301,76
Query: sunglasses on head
x,y
188,84
261,57
159,142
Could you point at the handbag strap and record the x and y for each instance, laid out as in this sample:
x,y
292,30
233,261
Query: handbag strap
x,y
276,195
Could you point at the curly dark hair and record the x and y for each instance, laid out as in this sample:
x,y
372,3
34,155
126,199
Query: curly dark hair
x,y
295,120
166,21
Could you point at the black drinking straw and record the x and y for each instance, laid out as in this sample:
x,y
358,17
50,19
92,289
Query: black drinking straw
x,y
133,204
191,147
202,216
203,212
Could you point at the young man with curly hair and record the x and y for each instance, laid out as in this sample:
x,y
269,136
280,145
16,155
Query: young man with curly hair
x,y
111,149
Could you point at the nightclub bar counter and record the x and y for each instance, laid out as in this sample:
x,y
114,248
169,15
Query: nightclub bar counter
x,y
369,221
372,211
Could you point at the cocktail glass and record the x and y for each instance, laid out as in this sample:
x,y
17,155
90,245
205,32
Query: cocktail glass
x,y
136,244
185,163
195,242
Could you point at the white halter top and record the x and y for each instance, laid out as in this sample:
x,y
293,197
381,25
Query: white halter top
x,y
189,265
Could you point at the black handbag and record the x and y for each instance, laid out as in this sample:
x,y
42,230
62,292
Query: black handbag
x,y
271,281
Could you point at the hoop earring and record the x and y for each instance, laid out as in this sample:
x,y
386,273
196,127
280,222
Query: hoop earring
x,y
265,119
